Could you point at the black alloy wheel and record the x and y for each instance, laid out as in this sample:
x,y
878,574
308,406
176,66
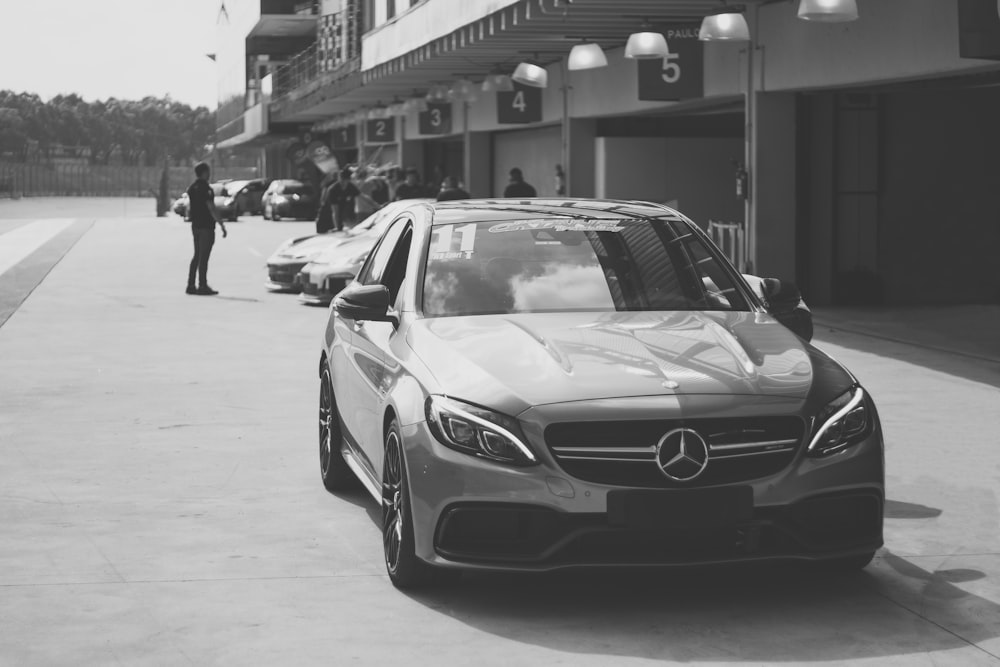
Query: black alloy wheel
x,y
401,562
337,475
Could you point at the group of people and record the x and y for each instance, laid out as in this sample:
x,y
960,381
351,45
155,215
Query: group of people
x,y
344,199
347,197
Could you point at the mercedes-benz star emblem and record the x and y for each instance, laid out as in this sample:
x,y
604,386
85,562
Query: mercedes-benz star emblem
x,y
682,454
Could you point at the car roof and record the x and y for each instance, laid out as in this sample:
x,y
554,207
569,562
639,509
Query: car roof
x,y
484,210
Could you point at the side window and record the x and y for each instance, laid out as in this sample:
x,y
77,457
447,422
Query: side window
x,y
371,272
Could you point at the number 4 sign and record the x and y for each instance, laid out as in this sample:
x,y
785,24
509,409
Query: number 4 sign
x,y
522,105
680,75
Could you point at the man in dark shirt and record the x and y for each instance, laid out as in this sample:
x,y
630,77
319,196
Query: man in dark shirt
x,y
517,187
411,188
201,210
450,191
341,196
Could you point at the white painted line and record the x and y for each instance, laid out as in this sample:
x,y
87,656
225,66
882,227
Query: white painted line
x,y
17,244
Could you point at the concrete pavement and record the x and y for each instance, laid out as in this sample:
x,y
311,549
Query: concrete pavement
x,y
160,502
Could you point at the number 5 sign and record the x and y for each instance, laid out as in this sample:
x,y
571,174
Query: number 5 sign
x,y
523,105
680,75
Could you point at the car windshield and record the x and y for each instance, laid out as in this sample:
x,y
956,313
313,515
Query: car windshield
x,y
554,265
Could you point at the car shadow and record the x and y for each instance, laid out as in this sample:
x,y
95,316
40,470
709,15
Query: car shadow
x,y
967,366
748,613
755,612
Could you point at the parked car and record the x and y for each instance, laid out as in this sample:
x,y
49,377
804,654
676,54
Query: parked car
x,y
284,265
225,206
587,382
245,196
286,198
180,206
336,265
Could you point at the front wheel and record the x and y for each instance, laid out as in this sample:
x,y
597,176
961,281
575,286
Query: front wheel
x,y
401,562
337,475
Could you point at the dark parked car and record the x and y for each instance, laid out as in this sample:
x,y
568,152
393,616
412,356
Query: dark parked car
x,y
588,382
286,198
245,196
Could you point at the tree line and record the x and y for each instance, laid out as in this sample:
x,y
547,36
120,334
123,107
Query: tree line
x,y
130,132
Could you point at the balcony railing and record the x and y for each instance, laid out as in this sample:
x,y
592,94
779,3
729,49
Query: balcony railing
x,y
335,53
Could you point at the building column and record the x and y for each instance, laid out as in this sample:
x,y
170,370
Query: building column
x,y
773,186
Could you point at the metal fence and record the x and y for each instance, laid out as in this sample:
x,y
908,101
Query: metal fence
x,y
731,240
42,180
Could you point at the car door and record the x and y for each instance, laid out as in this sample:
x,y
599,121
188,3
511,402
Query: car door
x,y
376,337
361,399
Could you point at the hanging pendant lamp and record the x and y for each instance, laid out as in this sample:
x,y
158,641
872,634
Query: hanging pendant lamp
x,y
646,46
497,83
830,11
731,27
587,56
531,74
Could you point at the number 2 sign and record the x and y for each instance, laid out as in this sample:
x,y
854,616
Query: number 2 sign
x,y
680,75
380,131
522,105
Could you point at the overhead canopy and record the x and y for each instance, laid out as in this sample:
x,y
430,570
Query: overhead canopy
x,y
548,28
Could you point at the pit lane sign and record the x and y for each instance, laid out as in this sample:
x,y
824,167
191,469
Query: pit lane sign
x,y
380,131
679,76
522,105
344,137
436,120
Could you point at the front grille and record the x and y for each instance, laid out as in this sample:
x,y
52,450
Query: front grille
x,y
623,453
284,273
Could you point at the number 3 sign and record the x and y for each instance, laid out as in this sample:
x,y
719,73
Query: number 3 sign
x,y
523,105
680,75
436,120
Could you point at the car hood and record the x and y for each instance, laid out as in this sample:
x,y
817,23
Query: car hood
x,y
308,247
535,359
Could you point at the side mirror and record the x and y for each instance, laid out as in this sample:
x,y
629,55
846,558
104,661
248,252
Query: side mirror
x,y
784,302
364,302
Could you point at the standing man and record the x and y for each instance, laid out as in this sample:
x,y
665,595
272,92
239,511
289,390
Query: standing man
x,y
451,190
342,196
517,187
410,188
201,210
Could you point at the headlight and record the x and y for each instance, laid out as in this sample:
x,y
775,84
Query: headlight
x,y
477,431
845,421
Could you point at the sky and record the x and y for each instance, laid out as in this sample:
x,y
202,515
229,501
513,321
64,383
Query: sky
x,y
110,48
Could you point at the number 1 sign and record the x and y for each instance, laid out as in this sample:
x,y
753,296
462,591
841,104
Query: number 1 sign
x,y
679,76
522,105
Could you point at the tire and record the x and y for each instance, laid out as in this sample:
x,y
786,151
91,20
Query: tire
x,y
335,472
401,563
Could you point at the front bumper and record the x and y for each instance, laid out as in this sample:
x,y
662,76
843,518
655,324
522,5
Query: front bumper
x,y
472,513
283,276
319,289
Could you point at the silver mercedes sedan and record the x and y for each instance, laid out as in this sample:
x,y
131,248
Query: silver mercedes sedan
x,y
539,384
